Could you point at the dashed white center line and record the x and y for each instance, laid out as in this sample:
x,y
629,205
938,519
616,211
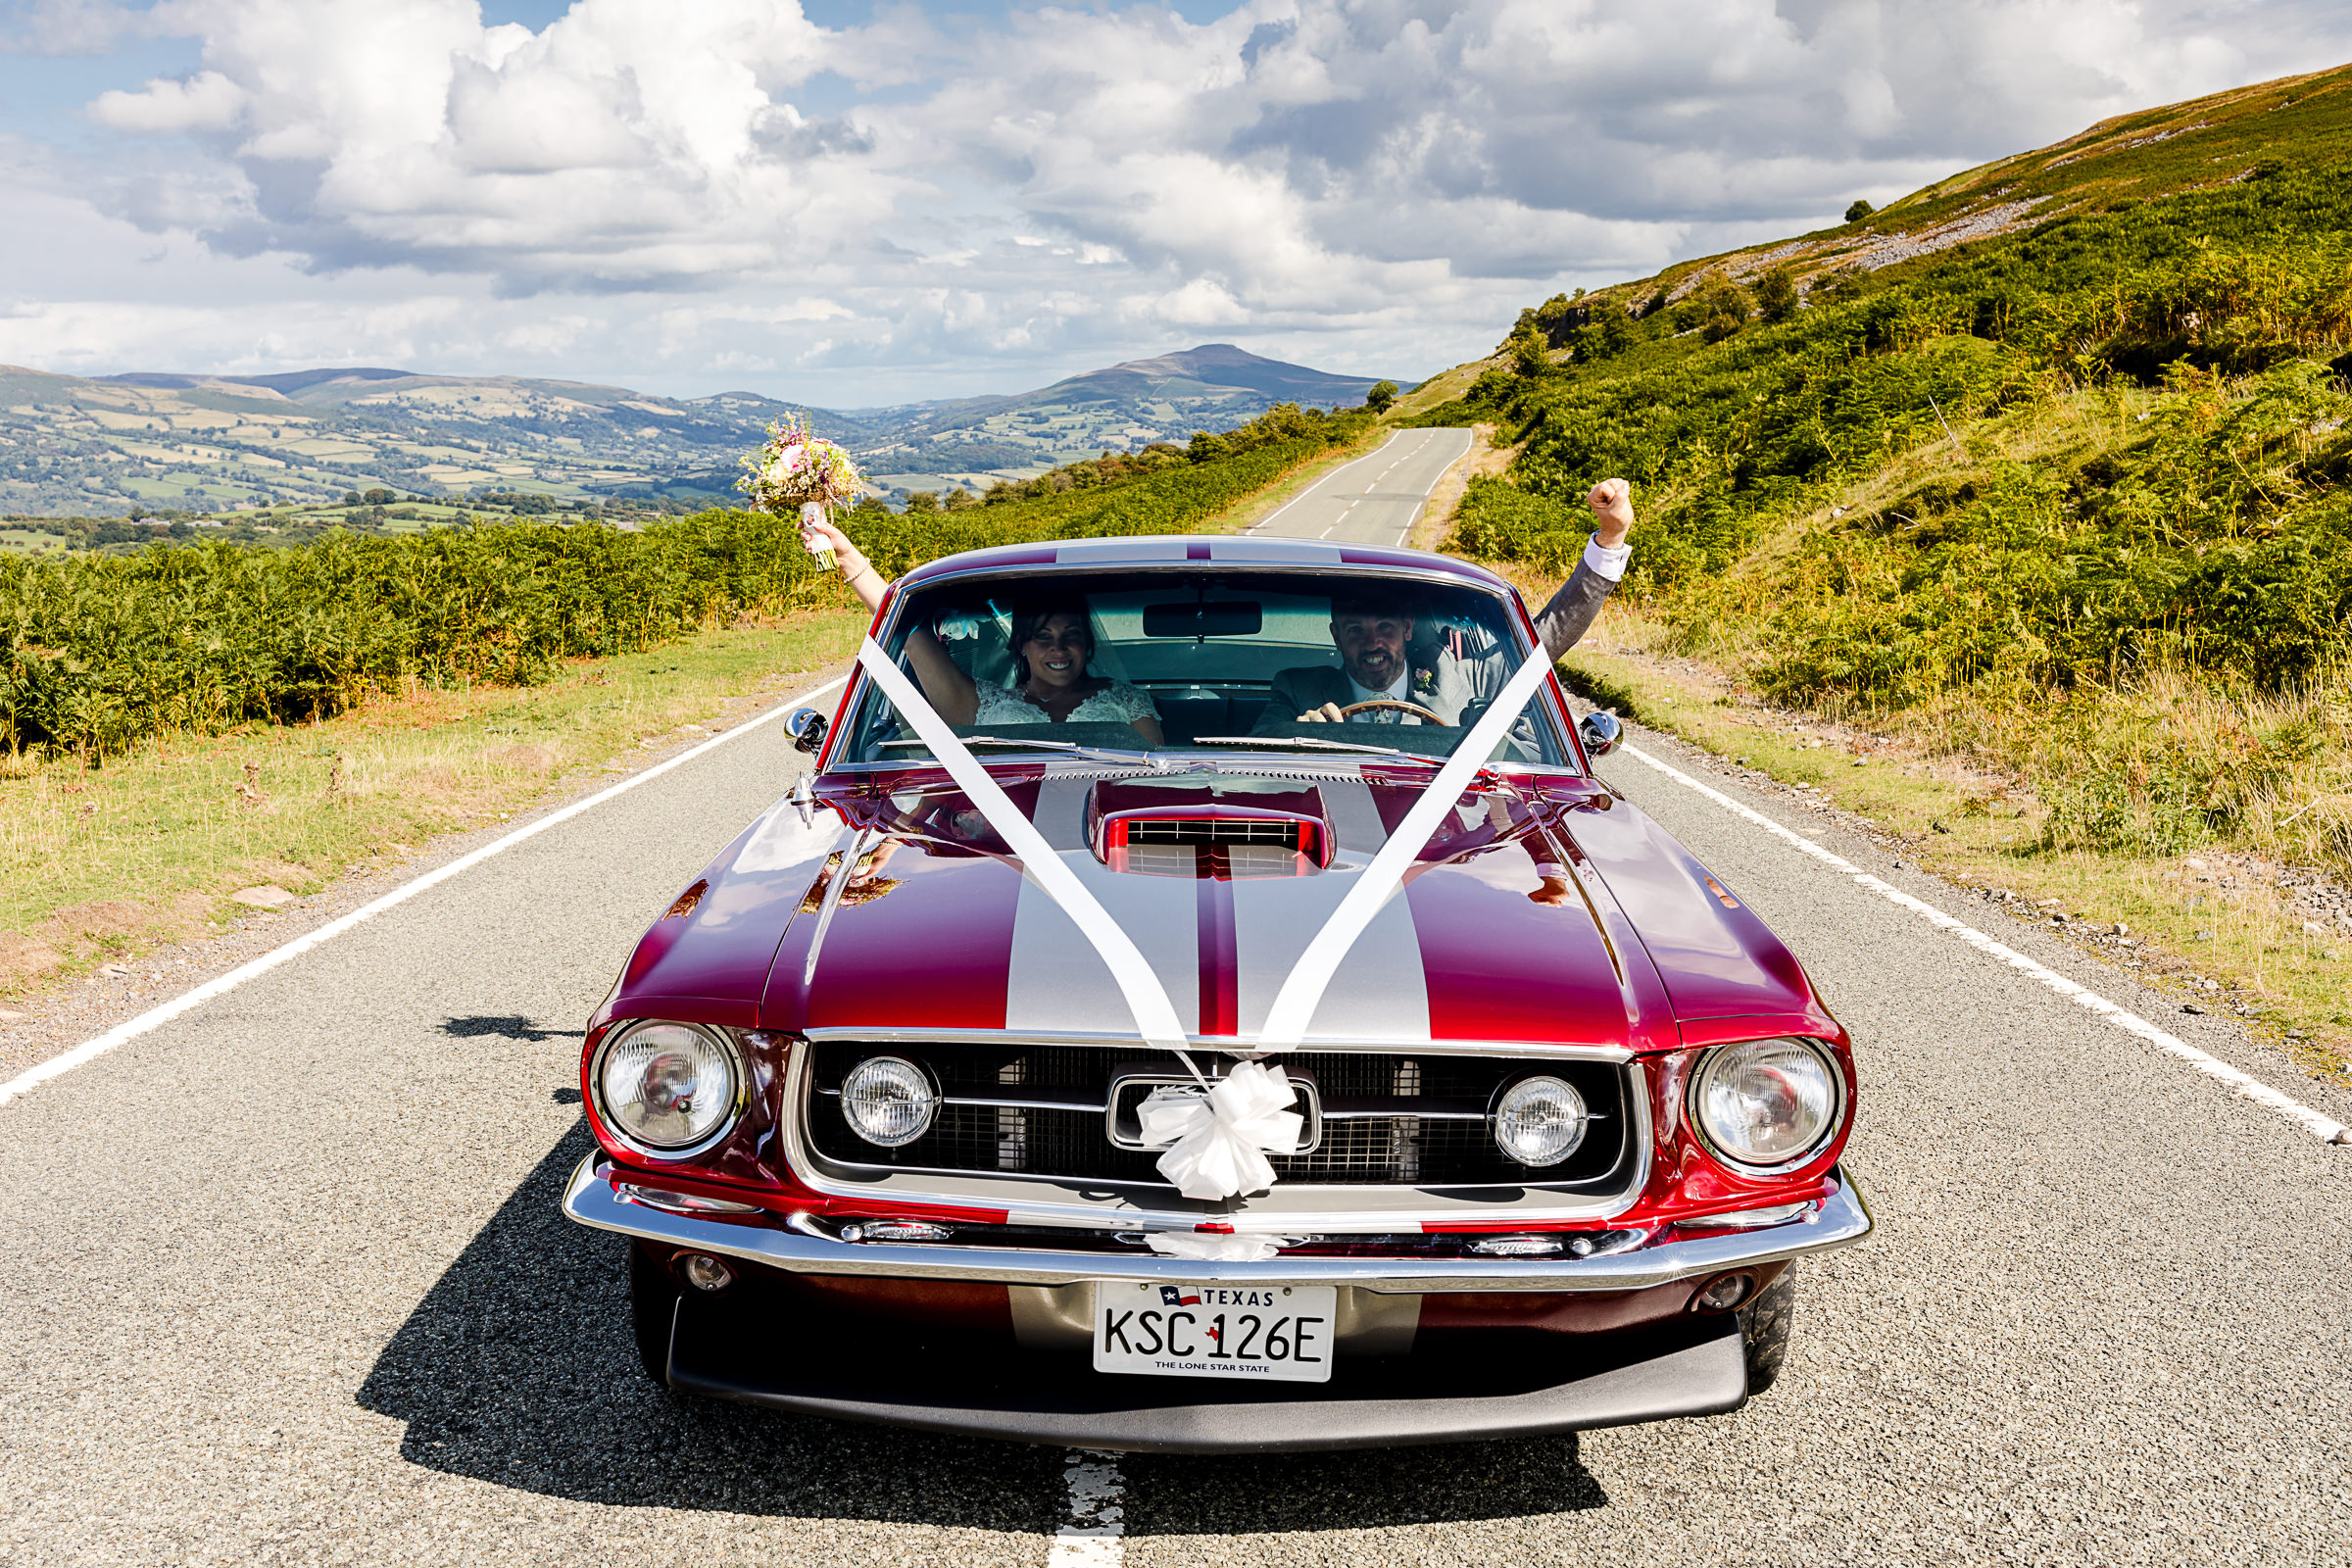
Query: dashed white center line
x,y
1095,1535
2246,1086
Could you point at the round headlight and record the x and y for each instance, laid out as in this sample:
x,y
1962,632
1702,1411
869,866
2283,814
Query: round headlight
x,y
671,1086
1539,1121
889,1101
1766,1103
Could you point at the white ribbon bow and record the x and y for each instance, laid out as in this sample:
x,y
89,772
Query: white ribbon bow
x,y
1221,1138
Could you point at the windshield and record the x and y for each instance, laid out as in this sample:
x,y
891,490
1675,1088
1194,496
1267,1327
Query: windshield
x,y
1213,663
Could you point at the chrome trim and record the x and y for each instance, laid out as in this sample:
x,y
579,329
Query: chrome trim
x,y
1233,1043
1024,1199
1842,1219
737,1066
1311,1102
674,1203
834,887
1732,1163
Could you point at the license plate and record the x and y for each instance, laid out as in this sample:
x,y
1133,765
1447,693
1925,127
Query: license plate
x,y
1279,1332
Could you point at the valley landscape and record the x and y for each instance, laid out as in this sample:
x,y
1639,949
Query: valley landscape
x,y
206,444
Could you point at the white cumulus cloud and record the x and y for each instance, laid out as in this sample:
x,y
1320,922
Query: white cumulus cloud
x,y
927,205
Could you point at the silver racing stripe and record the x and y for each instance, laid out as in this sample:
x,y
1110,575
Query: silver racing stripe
x,y
1058,982
1380,990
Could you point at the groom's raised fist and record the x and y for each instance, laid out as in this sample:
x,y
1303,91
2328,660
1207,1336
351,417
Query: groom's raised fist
x,y
1612,504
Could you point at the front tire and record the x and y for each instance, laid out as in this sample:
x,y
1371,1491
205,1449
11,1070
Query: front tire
x,y
653,1293
1764,1327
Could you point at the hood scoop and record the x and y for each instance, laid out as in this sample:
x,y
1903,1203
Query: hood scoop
x,y
1212,833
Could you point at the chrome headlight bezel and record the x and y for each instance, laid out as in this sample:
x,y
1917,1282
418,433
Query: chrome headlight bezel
x,y
1714,1056
1526,1083
914,1070
738,1092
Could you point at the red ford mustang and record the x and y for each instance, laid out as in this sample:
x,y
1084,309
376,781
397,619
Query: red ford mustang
x,y
947,1095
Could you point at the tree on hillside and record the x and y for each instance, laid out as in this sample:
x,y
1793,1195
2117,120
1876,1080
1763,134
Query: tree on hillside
x,y
1530,352
923,501
1858,212
1776,297
1608,334
1382,397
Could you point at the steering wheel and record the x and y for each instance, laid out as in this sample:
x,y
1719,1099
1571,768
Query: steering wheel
x,y
1353,709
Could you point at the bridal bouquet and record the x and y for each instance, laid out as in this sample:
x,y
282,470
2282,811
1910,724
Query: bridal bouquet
x,y
800,474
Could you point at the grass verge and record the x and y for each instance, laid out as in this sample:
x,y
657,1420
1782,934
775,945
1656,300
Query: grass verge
x,y
2225,932
98,863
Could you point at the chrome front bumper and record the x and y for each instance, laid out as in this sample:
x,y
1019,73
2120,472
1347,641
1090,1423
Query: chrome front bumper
x,y
1840,1220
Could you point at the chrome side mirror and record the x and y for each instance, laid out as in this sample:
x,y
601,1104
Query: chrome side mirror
x,y
806,727
1600,732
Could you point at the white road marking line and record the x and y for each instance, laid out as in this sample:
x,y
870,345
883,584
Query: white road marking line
x,y
1096,1534
1326,479
156,1017
2323,1127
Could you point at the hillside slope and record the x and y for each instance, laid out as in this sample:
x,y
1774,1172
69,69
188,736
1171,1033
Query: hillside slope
x,y
1214,387
2051,462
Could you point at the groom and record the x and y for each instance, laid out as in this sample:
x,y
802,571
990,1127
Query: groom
x,y
1372,634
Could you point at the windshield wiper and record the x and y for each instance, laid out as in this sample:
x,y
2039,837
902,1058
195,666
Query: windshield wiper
x,y
1302,742
1112,752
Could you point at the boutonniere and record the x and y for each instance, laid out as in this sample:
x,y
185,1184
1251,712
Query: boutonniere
x,y
1425,681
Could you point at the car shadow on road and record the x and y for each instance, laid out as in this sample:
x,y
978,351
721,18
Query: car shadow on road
x,y
506,1026
518,1369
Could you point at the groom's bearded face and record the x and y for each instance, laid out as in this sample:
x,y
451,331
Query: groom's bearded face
x,y
1371,645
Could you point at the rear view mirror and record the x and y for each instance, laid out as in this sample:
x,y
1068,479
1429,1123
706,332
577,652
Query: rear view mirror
x,y
1222,617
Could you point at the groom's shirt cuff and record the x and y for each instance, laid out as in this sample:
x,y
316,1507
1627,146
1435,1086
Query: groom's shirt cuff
x,y
1606,562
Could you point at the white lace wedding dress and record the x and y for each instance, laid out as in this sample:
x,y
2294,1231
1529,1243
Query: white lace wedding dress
x,y
1116,703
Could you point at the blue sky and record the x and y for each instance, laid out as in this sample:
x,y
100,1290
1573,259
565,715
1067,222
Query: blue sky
x,y
849,202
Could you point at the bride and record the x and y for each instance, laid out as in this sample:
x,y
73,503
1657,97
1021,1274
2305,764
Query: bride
x,y
1052,644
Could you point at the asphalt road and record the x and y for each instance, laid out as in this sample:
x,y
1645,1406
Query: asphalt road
x,y
1373,500
284,1282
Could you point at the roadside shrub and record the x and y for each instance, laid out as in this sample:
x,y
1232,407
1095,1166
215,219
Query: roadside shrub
x,y
100,652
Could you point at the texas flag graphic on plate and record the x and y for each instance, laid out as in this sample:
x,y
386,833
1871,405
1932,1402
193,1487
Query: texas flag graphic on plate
x,y
1171,1295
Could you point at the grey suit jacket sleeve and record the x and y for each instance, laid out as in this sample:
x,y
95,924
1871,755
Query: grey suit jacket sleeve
x,y
1569,613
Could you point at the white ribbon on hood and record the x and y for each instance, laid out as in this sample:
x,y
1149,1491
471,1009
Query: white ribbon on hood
x,y
1218,1156
1303,991
1222,1135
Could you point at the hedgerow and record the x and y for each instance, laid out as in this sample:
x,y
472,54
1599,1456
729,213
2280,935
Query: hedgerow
x,y
100,652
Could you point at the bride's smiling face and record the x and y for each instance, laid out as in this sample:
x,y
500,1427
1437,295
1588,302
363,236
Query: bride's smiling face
x,y
1056,653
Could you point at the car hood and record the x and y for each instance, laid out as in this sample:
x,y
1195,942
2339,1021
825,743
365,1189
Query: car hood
x,y
936,929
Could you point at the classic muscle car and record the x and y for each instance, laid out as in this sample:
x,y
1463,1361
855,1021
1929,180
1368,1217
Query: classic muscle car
x,y
893,1137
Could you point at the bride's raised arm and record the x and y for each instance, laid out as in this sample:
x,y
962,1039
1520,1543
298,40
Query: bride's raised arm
x,y
944,682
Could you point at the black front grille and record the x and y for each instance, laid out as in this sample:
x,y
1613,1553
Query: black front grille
x,y
1371,1131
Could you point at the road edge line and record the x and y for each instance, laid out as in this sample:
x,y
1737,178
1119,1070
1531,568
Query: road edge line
x,y
2243,1084
156,1017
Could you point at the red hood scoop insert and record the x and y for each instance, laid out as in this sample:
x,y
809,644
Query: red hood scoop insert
x,y
1205,833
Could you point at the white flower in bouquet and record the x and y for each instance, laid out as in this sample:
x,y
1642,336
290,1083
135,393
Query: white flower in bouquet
x,y
798,474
